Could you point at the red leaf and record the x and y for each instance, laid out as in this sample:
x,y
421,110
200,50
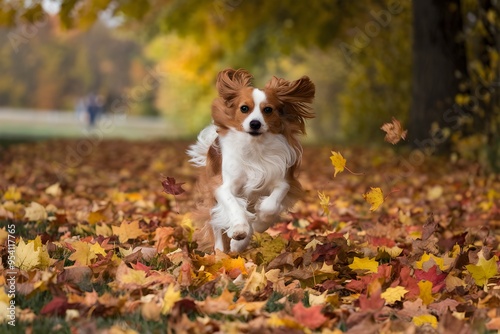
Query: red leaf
x,y
310,317
172,188
432,275
56,306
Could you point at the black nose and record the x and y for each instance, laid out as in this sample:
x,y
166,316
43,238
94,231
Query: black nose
x,y
255,125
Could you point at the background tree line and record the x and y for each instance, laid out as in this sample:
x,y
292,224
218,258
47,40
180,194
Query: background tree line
x,y
432,64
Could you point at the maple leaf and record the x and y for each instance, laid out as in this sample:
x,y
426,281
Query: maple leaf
x,y
394,131
83,254
374,197
424,319
310,317
324,201
164,238
426,292
171,187
364,264
12,194
338,162
256,282
234,267
127,231
27,257
483,270
170,297
392,295
54,190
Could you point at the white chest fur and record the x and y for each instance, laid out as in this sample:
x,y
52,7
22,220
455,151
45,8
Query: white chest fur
x,y
254,165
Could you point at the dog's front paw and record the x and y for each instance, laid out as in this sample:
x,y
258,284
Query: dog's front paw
x,y
268,209
239,231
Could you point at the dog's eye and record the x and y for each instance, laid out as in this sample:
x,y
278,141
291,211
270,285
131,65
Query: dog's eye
x,y
268,110
244,109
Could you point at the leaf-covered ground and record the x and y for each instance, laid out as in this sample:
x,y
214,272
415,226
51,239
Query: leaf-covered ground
x,y
101,247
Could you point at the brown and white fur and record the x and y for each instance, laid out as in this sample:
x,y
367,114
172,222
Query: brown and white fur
x,y
250,155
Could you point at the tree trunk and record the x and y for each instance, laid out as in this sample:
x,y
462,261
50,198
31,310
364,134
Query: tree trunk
x,y
439,62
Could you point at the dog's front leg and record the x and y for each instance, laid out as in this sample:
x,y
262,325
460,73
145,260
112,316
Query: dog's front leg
x,y
230,213
271,206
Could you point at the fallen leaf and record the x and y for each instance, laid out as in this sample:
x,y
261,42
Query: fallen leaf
x,y
394,131
35,212
83,254
394,294
127,231
324,201
425,319
310,317
484,269
365,264
170,297
425,292
54,190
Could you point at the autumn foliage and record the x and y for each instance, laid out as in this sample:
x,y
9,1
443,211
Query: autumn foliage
x,y
109,245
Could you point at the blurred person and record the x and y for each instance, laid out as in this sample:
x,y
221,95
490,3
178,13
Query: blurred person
x,y
94,108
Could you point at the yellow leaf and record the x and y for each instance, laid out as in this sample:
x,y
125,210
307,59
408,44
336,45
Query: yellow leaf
x,y
132,276
324,201
364,264
26,256
35,212
96,217
428,261
421,320
104,230
126,231
276,321
375,198
392,251
83,255
43,255
12,194
483,270
425,292
392,295
256,282
169,299
97,249
338,162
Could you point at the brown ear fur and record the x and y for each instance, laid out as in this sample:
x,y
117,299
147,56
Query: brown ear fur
x,y
229,82
296,97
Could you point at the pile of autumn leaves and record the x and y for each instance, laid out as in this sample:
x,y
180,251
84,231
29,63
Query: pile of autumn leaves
x,y
325,268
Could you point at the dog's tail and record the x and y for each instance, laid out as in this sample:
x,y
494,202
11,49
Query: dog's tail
x,y
198,152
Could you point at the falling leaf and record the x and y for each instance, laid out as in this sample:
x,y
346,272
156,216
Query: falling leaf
x,y
364,264
483,270
392,295
425,319
310,317
35,212
426,292
324,201
127,231
338,162
172,188
394,131
170,297
375,198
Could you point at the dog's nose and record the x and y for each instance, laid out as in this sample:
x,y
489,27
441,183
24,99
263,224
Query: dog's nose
x,y
255,124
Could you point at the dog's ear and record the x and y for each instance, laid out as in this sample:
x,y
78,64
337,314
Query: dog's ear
x,y
296,97
230,81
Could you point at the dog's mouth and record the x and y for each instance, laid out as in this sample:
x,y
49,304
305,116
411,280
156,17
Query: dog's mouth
x,y
254,133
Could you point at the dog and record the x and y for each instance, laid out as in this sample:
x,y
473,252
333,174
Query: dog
x,y
250,156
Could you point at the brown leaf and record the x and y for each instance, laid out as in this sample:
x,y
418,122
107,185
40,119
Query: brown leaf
x,y
394,131
172,188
